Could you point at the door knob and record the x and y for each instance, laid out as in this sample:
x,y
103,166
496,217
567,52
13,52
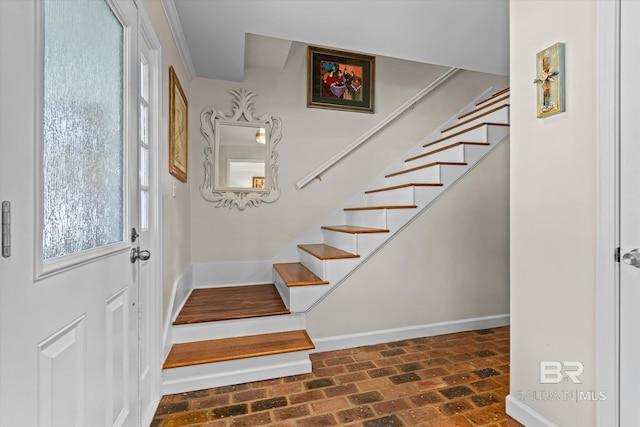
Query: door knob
x,y
137,254
632,258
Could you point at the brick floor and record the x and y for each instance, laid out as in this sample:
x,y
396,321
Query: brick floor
x,y
455,380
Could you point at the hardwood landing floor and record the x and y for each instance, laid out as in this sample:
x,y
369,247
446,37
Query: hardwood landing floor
x,y
454,380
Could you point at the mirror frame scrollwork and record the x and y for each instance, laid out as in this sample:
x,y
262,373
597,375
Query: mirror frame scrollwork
x,y
242,113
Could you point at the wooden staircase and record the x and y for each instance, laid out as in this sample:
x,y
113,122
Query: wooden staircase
x,y
232,334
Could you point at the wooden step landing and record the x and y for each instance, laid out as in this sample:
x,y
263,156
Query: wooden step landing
x,y
455,144
324,252
376,208
296,274
428,165
353,229
453,135
494,101
411,184
220,350
235,302
493,110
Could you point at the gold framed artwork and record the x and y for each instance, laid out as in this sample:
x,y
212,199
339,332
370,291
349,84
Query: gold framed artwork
x,y
257,182
340,80
178,135
550,81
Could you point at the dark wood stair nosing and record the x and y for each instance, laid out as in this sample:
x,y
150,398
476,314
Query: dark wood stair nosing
x,y
300,276
428,165
484,106
505,90
374,208
479,125
352,229
410,184
325,252
236,348
455,144
475,118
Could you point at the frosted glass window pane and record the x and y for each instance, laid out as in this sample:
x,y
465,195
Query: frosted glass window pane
x,y
144,210
83,127
144,167
144,80
144,116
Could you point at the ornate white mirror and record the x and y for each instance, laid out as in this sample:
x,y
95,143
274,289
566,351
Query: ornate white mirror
x,y
240,167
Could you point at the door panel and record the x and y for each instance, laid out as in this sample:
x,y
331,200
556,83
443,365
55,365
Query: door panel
x,y
629,213
68,318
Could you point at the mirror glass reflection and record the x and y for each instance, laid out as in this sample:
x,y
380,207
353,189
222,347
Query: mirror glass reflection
x,y
242,156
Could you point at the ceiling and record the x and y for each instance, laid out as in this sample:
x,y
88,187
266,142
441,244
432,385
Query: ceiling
x,y
213,34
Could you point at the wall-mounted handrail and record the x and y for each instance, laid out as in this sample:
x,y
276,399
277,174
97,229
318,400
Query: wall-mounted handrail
x,y
355,144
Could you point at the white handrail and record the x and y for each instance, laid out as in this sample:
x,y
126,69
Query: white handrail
x,y
355,144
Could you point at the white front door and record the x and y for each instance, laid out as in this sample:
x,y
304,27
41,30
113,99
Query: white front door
x,y
68,168
630,214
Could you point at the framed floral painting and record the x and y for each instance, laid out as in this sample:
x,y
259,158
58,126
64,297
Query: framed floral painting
x,y
178,138
340,80
550,81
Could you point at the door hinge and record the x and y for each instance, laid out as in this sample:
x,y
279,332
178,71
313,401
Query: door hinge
x,y
617,254
6,229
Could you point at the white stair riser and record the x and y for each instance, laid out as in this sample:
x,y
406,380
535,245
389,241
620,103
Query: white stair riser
x,y
453,154
424,195
360,244
283,289
418,196
312,263
345,241
237,328
398,196
497,133
209,375
337,269
330,270
376,218
430,174
474,135
303,297
500,116
397,218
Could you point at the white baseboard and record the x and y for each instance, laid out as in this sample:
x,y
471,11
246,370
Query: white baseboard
x,y
397,334
523,414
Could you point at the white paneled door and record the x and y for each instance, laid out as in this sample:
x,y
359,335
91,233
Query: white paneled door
x,y
71,350
630,214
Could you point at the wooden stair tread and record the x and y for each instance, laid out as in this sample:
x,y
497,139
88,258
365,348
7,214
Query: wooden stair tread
x,y
411,184
220,350
503,91
493,110
296,274
455,144
323,252
493,102
374,208
234,302
428,165
354,229
465,131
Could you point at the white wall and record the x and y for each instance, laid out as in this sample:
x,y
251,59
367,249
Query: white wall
x,y
553,207
310,137
176,255
452,263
